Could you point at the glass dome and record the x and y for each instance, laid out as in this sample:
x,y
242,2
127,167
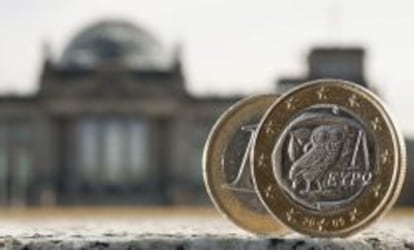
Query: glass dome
x,y
115,42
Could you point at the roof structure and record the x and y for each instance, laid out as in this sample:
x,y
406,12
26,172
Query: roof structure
x,y
115,41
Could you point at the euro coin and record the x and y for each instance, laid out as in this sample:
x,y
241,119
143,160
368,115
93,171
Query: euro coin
x,y
227,169
328,159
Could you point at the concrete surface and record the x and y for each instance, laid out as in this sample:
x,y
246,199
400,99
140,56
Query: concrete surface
x,y
179,232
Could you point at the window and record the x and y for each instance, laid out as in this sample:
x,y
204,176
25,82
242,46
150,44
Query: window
x,y
88,149
113,150
198,138
3,162
114,144
15,161
22,161
137,150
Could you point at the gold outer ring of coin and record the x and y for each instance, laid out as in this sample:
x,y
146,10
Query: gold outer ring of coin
x,y
226,202
376,199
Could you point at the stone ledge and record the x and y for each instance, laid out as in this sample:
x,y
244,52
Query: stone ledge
x,y
183,233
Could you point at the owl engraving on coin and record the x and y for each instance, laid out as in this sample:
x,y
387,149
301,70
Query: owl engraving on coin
x,y
325,158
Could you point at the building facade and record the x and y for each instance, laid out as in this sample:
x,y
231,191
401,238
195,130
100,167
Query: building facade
x,y
112,123
342,63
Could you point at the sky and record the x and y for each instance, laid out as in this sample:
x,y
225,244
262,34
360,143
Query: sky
x,y
231,46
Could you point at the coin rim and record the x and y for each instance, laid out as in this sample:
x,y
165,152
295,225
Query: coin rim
x,y
400,160
247,220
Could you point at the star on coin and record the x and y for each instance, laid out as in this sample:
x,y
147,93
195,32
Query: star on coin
x,y
353,101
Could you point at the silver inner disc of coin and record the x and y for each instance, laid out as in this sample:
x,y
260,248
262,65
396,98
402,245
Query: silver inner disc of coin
x,y
325,158
235,165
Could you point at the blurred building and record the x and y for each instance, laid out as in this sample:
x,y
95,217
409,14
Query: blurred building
x,y
336,62
112,123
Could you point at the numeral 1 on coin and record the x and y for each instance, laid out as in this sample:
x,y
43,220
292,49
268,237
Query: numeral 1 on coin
x,y
243,180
